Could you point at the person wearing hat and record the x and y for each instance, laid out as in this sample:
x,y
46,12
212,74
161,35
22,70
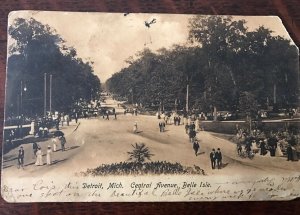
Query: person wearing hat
x,y
212,156
49,152
218,157
196,146
21,157
39,157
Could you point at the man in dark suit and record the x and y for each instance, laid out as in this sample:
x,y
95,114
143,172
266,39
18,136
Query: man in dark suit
x,y
289,153
21,157
219,158
196,147
212,156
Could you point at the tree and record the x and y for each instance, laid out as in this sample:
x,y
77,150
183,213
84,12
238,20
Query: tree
x,y
37,49
220,38
140,153
248,104
225,60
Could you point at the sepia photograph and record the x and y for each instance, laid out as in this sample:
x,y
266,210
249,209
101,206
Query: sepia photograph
x,y
150,107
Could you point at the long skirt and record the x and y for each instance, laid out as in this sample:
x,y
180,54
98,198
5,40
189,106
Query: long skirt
x,y
39,160
48,158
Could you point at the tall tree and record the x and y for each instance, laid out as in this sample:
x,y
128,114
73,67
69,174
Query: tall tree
x,y
37,49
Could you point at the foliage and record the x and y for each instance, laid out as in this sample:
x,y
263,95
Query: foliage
x,y
38,49
248,103
140,153
135,168
224,60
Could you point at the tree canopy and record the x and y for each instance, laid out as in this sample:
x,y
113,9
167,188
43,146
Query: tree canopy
x,y
225,63
37,49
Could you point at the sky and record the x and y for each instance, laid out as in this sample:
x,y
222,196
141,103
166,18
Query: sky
x,y
108,39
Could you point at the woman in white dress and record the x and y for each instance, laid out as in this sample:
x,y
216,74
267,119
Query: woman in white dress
x,y
254,147
54,143
197,124
135,127
49,152
278,152
39,157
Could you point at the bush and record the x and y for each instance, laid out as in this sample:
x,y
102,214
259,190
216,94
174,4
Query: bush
x,y
135,168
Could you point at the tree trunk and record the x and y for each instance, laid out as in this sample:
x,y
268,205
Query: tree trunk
x,y
215,113
250,125
274,93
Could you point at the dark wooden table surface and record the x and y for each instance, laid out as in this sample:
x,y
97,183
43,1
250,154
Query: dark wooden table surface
x,y
287,10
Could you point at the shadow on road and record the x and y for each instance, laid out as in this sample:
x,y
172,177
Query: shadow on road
x,y
9,158
224,165
200,153
4,167
73,147
29,164
58,161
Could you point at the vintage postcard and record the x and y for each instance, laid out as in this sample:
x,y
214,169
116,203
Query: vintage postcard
x,y
114,107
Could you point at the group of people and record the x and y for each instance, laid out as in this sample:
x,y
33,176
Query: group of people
x,y
216,158
38,153
190,130
177,120
273,144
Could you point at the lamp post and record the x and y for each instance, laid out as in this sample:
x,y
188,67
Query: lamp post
x,y
50,102
45,94
21,108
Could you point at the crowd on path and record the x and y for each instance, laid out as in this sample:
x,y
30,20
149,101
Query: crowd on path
x,y
271,144
38,152
192,126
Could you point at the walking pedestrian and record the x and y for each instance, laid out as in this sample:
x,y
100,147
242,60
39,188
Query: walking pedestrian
x,y
62,119
62,143
197,124
160,126
49,152
76,117
289,153
107,115
39,157
278,152
212,156
186,128
239,148
21,158
57,124
219,158
263,148
196,147
35,148
54,143
192,135
135,127
67,119
163,125
192,126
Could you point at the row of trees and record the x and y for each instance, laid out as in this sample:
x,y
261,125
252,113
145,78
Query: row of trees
x,y
227,66
37,49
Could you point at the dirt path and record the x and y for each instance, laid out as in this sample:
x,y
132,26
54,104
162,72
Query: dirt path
x,y
98,141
